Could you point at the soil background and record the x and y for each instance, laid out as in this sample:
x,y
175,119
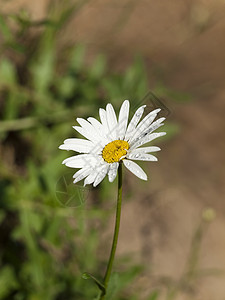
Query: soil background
x,y
185,42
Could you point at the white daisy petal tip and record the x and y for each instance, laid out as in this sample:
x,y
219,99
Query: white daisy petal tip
x,y
101,111
135,169
123,119
64,162
113,171
145,178
63,147
95,184
126,102
111,179
156,111
109,106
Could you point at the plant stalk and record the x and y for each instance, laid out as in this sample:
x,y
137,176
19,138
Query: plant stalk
x,y
116,234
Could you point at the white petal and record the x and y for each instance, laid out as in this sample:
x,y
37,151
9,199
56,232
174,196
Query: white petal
x,y
144,124
144,150
97,125
141,127
146,139
82,160
149,118
123,119
112,121
136,118
85,124
147,131
90,129
100,130
81,174
101,174
78,145
135,169
142,156
156,124
85,169
88,134
90,178
103,118
76,140
113,171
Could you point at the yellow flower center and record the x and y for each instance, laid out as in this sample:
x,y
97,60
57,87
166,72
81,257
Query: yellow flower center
x,y
113,151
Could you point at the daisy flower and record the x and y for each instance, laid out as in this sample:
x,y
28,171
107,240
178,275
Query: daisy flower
x,y
112,141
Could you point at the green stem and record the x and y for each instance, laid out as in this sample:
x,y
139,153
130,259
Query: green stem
x,y
116,233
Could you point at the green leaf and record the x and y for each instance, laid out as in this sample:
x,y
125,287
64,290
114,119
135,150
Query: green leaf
x,y
98,67
5,29
87,275
7,281
66,86
77,57
112,288
43,71
7,72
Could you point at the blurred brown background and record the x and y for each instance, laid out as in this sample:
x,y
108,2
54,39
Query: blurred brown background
x,y
183,41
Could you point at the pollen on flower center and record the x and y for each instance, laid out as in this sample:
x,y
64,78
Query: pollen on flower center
x,y
113,151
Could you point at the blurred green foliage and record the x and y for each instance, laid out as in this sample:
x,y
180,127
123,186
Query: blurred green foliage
x,y
46,244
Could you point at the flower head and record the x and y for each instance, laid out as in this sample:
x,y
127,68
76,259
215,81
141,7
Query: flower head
x,y
112,141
